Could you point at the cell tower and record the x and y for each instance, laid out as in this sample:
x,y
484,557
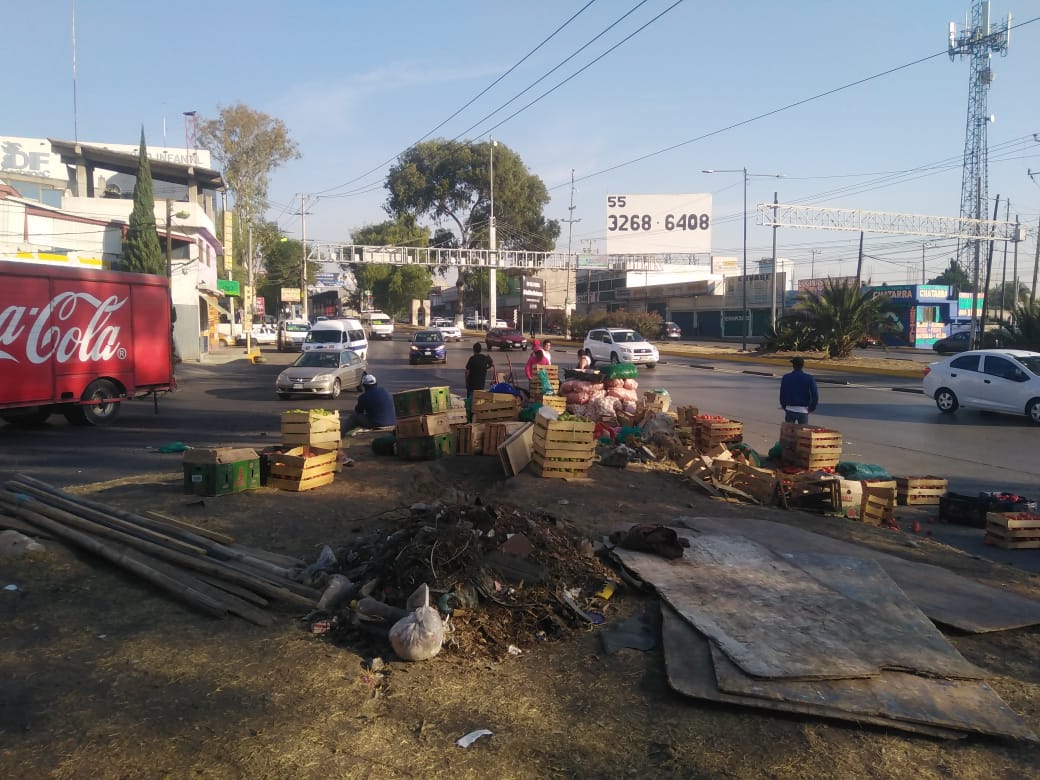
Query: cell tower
x,y
977,41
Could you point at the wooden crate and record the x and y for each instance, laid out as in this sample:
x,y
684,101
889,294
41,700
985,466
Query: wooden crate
x,y
920,491
759,484
497,432
494,407
809,447
313,428
429,424
815,491
712,431
657,401
687,416
1013,530
557,402
425,400
875,509
302,468
469,439
560,468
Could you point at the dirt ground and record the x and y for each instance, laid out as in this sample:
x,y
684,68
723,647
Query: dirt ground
x,y
105,678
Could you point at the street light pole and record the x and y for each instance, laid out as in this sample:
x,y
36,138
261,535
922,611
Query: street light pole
x,y
492,245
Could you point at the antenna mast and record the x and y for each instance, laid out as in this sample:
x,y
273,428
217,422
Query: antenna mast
x,y
977,42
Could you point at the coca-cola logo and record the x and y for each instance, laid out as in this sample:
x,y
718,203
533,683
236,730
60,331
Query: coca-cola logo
x,y
73,326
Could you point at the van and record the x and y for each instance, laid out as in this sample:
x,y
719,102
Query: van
x,y
337,335
291,334
378,325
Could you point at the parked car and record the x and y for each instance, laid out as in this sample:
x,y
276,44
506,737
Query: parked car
x,y
292,334
961,342
450,332
505,338
620,345
997,380
670,330
322,373
264,334
427,347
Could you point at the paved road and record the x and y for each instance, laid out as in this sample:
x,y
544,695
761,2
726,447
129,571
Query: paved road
x,y
229,401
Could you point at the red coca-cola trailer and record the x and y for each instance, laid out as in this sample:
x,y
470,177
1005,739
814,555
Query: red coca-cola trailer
x,y
80,341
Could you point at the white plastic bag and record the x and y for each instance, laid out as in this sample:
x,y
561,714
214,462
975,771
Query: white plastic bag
x,y
419,635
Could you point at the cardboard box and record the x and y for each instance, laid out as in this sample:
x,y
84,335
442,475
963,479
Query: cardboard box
x,y
425,400
851,496
303,468
429,424
219,471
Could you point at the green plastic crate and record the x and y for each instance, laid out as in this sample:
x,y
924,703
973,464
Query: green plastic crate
x,y
221,471
426,447
425,400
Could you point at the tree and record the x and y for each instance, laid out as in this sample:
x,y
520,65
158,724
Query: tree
x,y
393,287
954,276
476,284
1026,332
450,182
248,145
1002,297
843,315
141,250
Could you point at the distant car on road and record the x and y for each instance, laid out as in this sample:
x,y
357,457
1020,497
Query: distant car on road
x,y
264,334
450,332
961,342
997,380
292,334
620,345
321,373
670,330
505,338
427,347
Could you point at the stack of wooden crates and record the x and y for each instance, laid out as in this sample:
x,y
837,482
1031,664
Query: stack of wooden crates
x,y
425,419
710,431
313,438
809,447
562,448
553,400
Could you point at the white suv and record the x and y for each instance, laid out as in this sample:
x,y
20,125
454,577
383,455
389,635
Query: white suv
x,y
620,345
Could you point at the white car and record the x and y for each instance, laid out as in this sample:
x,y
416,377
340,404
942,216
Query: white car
x,y
997,380
450,332
620,345
265,334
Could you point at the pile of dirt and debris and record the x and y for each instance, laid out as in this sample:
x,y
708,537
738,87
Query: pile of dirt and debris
x,y
507,579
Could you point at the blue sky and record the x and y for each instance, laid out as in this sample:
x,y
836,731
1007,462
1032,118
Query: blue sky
x,y
359,82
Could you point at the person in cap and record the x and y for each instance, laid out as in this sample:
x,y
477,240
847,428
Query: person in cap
x,y
477,368
375,407
799,395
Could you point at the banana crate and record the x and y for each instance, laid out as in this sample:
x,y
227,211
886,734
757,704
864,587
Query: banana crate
x,y
311,427
303,468
494,407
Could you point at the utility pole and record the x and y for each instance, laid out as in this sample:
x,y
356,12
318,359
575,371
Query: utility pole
x,y
859,262
492,245
1003,274
985,290
567,296
812,267
772,300
303,258
1018,240
1036,264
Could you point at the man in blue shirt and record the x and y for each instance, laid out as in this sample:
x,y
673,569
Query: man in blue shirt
x,y
375,407
798,394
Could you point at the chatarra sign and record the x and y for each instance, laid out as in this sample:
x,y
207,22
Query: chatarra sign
x,y
73,327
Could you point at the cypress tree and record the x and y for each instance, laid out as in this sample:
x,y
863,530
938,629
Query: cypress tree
x,y
141,250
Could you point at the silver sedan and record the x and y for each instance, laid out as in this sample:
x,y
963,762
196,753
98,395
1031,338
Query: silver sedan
x,y
321,373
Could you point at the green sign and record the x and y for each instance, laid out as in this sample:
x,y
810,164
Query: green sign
x,y
228,287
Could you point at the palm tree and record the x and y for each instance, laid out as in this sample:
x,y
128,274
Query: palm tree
x,y
1026,333
843,315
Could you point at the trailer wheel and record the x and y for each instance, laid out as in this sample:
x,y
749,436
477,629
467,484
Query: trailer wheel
x,y
102,409
27,417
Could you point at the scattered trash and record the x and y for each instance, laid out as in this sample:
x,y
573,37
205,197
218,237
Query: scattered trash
x,y
11,588
316,574
14,544
473,736
419,635
563,502
324,626
338,590
514,650
174,446
658,539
